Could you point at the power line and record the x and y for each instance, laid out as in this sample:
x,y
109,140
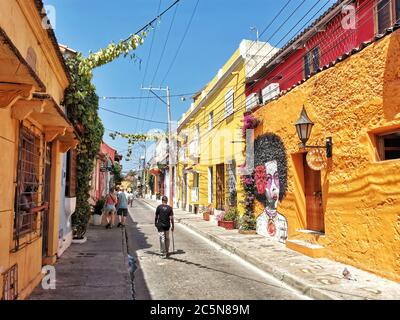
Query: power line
x,y
132,117
147,66
182,40
165,44
268,71
137,98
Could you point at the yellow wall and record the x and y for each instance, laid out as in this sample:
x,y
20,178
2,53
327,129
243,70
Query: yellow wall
x,y
22,24
361,196
216,146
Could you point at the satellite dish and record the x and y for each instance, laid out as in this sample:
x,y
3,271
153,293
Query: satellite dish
x,y
183,99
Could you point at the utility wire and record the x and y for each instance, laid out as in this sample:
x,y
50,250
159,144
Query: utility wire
x,y
137,98
243,106
132,117
182,40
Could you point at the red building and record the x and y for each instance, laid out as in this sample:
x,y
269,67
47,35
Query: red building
x,y
342,28
101,179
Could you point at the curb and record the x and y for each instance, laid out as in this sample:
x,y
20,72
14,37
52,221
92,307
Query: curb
x,y
277,273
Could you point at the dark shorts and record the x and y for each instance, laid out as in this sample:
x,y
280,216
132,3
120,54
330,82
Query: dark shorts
x,y
122,212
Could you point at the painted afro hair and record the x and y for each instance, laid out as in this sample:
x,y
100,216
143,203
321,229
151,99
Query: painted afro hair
x,y
269,147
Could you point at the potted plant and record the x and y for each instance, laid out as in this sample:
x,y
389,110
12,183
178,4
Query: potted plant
x,y
98,211
207,211
158,196
248,225
230,218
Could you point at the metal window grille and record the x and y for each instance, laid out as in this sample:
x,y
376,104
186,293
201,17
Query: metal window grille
x,y
30,186
10,283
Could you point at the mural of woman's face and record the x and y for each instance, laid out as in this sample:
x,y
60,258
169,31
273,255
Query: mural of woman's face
x,y
272,188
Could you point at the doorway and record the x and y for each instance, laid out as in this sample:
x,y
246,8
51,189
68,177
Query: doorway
x,y
184,191
220,186
313,194
46,198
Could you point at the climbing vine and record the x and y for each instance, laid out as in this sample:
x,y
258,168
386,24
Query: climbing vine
x,y
82,102
133,138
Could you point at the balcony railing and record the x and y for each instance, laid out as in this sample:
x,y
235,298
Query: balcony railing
x,y
182,155
194,149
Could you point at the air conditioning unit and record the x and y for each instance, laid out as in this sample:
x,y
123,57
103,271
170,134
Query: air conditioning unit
x,y
270,92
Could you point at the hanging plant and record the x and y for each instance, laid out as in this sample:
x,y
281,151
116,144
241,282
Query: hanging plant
x,y
133,138
249,122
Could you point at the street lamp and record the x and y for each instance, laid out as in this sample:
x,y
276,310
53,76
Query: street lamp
x,y
304,127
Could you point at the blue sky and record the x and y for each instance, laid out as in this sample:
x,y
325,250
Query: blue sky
x,y
217,28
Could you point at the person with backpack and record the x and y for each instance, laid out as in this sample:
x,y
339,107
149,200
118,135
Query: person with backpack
x,y
110,209
164,221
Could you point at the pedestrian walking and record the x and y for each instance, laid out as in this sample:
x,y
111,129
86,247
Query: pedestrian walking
x,y
164,221
122,211
130,198
110,210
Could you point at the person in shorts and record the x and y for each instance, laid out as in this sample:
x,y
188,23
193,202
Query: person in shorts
x,y
110,209
122,211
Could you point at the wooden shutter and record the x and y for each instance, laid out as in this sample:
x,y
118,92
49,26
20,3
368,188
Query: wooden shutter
x,y
383,13
71,174
307,70
316,60
229,103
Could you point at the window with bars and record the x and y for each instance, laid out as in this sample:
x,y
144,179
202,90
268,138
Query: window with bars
x,y
10,283
388,146
387,14
311,61
30,186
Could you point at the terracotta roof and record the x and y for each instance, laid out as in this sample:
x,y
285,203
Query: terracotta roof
x,y
339,59
271,61
13,48
53,38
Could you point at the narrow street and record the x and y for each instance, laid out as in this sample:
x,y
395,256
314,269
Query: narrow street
x,y
197,270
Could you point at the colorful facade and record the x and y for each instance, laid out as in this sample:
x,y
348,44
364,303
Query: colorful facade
x,y
211,146
345,207
34,134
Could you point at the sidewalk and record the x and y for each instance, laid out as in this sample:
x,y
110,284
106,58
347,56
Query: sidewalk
x,y
94,270
317,278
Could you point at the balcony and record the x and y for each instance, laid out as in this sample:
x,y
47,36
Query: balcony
x,y
194,149
182,155
195,194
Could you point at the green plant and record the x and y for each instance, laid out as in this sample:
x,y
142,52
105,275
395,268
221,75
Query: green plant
x,y
81,103
232,214
98,207
116,171
248,222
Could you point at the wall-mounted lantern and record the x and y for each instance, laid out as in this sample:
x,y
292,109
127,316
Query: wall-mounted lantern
x,y
304,127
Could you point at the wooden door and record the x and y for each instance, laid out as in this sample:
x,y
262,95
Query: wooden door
x,y
220,186
184,190
313,194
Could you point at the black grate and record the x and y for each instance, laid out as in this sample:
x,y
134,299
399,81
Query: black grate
x,y
30,186
10,283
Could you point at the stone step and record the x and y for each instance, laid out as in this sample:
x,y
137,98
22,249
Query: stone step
x,y
308,248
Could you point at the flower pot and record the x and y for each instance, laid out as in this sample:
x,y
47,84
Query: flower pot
x,y
229,225
220,223
206,216
97,218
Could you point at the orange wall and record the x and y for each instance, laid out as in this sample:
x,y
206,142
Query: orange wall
x,y
361,196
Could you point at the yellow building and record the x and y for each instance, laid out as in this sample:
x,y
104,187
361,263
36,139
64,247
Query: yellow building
x,y
211,145
34,133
